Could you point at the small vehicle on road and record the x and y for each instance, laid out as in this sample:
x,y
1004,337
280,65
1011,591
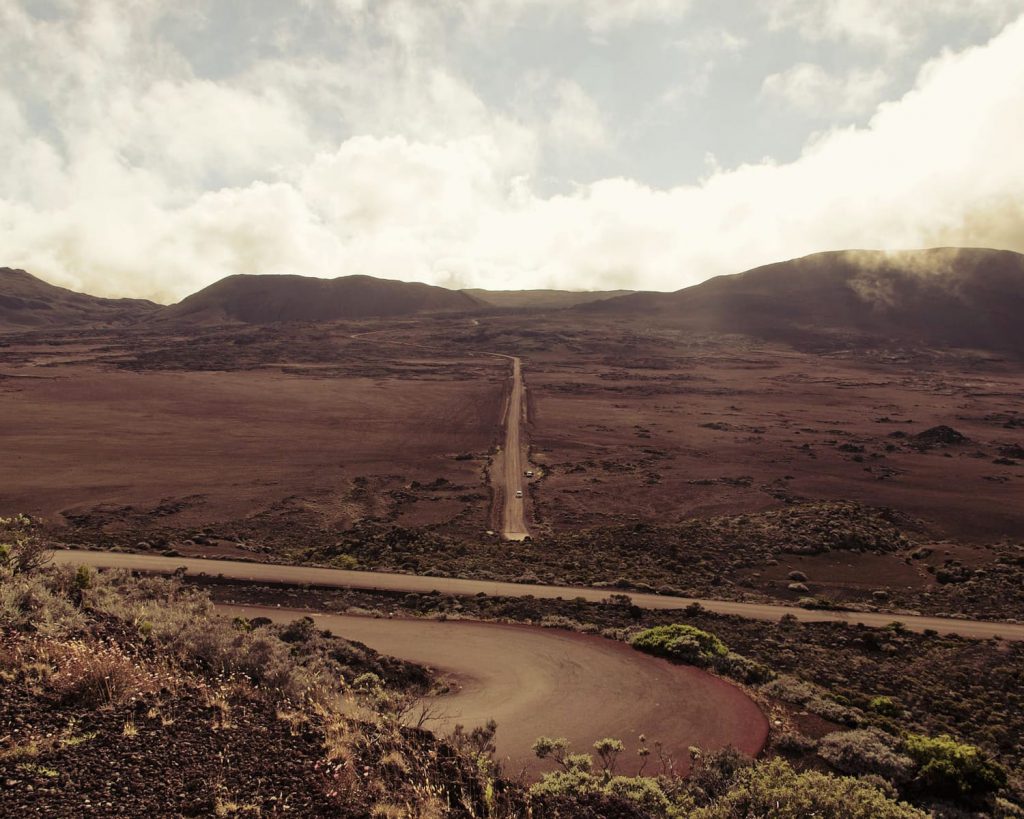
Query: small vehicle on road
x,y
528,473
519,493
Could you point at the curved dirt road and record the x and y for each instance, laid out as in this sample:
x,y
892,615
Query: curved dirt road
x,y
545,682
385,581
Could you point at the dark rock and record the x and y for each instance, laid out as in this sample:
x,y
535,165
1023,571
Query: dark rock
x,y
941,435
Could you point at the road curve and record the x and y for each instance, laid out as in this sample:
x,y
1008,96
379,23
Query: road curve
x,y
384,581
546,682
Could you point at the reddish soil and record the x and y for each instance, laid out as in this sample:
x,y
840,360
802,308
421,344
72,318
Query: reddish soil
x,y
246,441
682,427
117,449
549,682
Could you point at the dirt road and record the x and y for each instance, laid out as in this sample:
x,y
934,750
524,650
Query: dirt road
x,y
538,682
339,578
507,468
514,514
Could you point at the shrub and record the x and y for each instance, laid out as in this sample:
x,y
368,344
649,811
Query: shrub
x,y
642,791
744,669
94,675
22,551
793,742
774,789
884,706
576,791
867,751
680,642
28,603
300,630
791,690
713,774
812,697
952,768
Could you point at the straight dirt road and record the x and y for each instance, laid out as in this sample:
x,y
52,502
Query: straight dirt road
x,y
546,682
507,468
514,512
340,578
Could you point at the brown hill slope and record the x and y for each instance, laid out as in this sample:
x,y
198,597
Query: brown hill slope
x,y
959,297
542,299
275,298
27,302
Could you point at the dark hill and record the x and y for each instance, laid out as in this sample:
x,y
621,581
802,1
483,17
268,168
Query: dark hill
x,y
957,297
273,298
542,299
27,302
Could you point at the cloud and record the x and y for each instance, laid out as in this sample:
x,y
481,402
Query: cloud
x,y
598,16
126,173
812,90
891,26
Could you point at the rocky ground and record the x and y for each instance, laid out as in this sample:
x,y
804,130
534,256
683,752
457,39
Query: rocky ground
x,y
232,757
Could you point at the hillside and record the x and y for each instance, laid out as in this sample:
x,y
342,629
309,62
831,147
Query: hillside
x,y
136,696
27,302
279,298
542,299
959,297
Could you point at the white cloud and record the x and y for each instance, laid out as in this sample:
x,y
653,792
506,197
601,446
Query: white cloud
x,y
892,26
107,149
598,16
811,89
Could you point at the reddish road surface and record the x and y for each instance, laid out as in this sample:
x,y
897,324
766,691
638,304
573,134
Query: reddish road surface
x,y
546,682
273,573
514,514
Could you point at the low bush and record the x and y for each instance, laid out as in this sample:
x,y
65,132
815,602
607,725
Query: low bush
x,y
774,789
94,675
884,706
22,551
866,751
576,790
682,643
950,768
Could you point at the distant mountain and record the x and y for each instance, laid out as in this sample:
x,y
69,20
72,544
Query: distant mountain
x,y
275,298
542,299
27,302
958,297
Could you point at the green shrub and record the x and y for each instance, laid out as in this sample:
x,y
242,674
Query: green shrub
x,y
884,706
680,642
643,792
774,789
952,768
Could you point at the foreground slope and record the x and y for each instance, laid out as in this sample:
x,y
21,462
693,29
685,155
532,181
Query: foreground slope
x,y
959,297
277,298
26,302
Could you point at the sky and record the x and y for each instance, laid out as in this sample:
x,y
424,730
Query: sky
x,y
151,147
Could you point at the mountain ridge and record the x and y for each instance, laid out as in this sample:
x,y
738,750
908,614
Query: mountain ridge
x,y
958,297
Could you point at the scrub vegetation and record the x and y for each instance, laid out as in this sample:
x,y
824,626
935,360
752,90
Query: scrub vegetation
x,y
131,694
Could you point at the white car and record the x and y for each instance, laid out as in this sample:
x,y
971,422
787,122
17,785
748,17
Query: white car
x,y
519,493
